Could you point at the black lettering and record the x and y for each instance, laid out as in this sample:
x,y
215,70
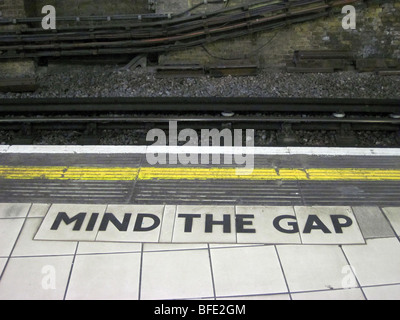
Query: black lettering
x,y
315,223
240,223
109,217
294,226
92,222
226,223
189,220
62,216
339,226
139,222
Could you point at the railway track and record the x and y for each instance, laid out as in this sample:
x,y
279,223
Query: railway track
x,y
93,115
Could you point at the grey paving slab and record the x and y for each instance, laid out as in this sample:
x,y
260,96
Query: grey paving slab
x,y
393,214
372,222
14,210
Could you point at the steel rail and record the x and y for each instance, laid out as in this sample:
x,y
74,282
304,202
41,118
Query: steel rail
x,y
185,105
201,119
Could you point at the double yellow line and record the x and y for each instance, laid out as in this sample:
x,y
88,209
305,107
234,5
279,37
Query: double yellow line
x,y
189,173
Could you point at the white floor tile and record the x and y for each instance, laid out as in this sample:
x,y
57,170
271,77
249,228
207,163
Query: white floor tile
x,y
372,222
105,276
383,292
9,230
345,294
37,278
3,262
14,210
176,275
312,267
247,271
172,246
26,246
108,247
376,263
283,296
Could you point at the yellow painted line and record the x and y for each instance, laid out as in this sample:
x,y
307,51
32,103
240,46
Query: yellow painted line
x,y
68,173
185,173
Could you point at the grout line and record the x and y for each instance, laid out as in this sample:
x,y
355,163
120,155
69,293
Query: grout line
x,y
354,273
358,224
390,224
382,285
283,272
140,272
297,219
15,242
234,223
70,271
212,271
161,223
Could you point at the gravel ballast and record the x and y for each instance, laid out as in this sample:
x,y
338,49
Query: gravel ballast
x,y
111,81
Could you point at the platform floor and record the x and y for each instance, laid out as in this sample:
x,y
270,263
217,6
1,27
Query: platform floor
x,y
356,257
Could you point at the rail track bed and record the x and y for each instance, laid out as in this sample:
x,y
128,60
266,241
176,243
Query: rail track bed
x,y
284,121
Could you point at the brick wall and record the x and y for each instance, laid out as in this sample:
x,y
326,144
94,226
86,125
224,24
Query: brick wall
x,y
12,8
93,7
377,35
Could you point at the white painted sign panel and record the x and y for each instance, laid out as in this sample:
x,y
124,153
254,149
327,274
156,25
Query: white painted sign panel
x,y
200,224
